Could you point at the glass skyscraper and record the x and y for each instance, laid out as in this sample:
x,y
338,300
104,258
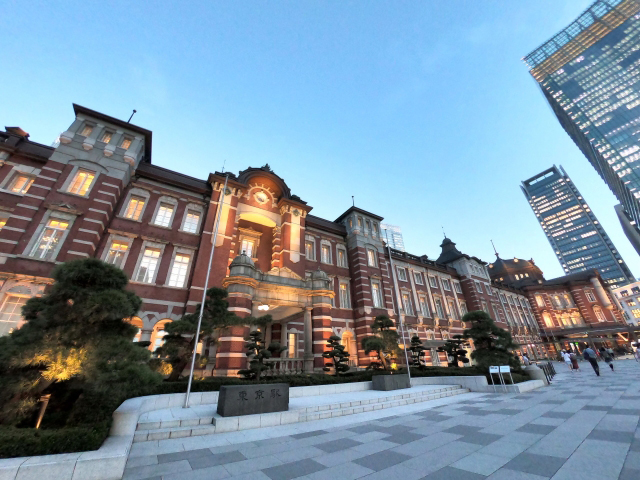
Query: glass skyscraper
x,y
576,236
393,236
590,75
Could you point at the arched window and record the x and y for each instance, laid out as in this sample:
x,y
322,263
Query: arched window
x,y
157,336
136,322
350,346
547,319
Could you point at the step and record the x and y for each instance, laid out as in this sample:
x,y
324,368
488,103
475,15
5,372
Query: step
x,y
207,424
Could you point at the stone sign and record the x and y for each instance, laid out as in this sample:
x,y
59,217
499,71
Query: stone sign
x,y
236,400
390,382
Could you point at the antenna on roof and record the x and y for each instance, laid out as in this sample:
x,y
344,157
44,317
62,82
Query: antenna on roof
x,y
445,235
353,200
494,249
134,112
223,164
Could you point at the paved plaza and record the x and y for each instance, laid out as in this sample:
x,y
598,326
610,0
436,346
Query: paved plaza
x,y
582,426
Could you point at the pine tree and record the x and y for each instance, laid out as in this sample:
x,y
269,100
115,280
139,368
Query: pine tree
x,y
493,345
76,333
257,351
178,346
339,358
417,352
455,352
384,342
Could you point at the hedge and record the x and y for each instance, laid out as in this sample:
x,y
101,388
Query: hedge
x,y
24,442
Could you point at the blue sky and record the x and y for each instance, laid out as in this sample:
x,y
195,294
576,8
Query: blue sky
x,y
423,110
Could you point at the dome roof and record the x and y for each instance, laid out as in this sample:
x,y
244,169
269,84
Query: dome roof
x,y
516,270
449,251
242,259
319,275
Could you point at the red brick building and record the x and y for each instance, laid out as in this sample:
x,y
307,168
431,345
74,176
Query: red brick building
x,y
98,194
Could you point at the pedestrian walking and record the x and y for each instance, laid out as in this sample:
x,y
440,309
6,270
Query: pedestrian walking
x,y
589,355
637,355
567,359
525,360
612,353
607,357
574,361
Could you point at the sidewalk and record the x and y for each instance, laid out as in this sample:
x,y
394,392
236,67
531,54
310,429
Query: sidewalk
x,y
581,426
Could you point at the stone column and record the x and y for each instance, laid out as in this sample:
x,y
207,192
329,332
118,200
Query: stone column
x,y
145,335
283,338
321,322
267,335
308,341
601,293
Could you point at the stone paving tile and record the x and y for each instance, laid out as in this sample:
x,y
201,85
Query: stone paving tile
x,y
533,428
378,462
611,436
345,471
480,438
173,457
216,459
218,472
453,473
337,445
149,471
252,465
633,462
480,463
462,430
547,421
553,414
508,474
542,465
293,469
309,434
402,438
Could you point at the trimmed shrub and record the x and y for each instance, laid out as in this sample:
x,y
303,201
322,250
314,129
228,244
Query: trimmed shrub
x,y
23,442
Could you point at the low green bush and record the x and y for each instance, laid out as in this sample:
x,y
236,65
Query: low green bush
x,y
24,442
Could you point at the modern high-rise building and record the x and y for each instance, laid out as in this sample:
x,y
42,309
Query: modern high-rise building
x,y
392,235
590,75
574,232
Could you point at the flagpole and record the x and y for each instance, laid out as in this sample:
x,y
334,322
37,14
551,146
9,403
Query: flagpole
x,y
204,290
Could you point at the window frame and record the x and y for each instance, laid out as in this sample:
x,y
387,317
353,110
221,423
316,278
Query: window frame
x,y
183,252
407,306
376,299
591,298
25,188
457,287
3,305
119,239
345,303
402,272
312,241
135,192
440,313
72,178
417,277
372,260
424,306
196,208
326,244
35,239
163,201
433,283
136,271
341,249
446,284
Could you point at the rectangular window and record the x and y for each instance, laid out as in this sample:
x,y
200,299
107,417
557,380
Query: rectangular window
x,y
540,300
478,287
406,304
342,258
81,182
402,274
631,303
49,239
344,296
331,286
116,253
163,217
424,307
326,253
20,184
106,136
452,309
463,309
446,284
636,312
247,246
179,270
11,314
600,315
432,282
293,345
418,278
310,249
487,289
86,131
591,297
126,143
371,257
376,294
134,209
439,309
191,221
485,307
457,287
148,265
3,222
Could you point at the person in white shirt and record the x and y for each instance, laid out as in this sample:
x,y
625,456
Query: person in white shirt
x,y
567,359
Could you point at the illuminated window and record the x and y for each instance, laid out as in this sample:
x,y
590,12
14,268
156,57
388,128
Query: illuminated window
x,y
164,215
20,184
599,314
293,345
406,304
117,252
344,296
191,221
81,182
371,257
126,143
402,274
148,265
547,319
342,257
45,247
159,339
86,130
310,249
3,222
636,312
325,251
247,246
179,270
106,136
11,313
134,209
631,303
424,307
540,300
376,294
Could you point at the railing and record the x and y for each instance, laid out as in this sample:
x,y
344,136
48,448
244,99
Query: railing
x,y
284,366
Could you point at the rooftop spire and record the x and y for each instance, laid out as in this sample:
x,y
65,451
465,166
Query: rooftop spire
x,y
494,249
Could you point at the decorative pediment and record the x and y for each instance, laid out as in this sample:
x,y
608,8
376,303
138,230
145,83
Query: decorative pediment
x,y
284,272
64,207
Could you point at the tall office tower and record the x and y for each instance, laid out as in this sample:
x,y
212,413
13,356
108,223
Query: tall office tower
x,y
393,236
590,74
577,238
